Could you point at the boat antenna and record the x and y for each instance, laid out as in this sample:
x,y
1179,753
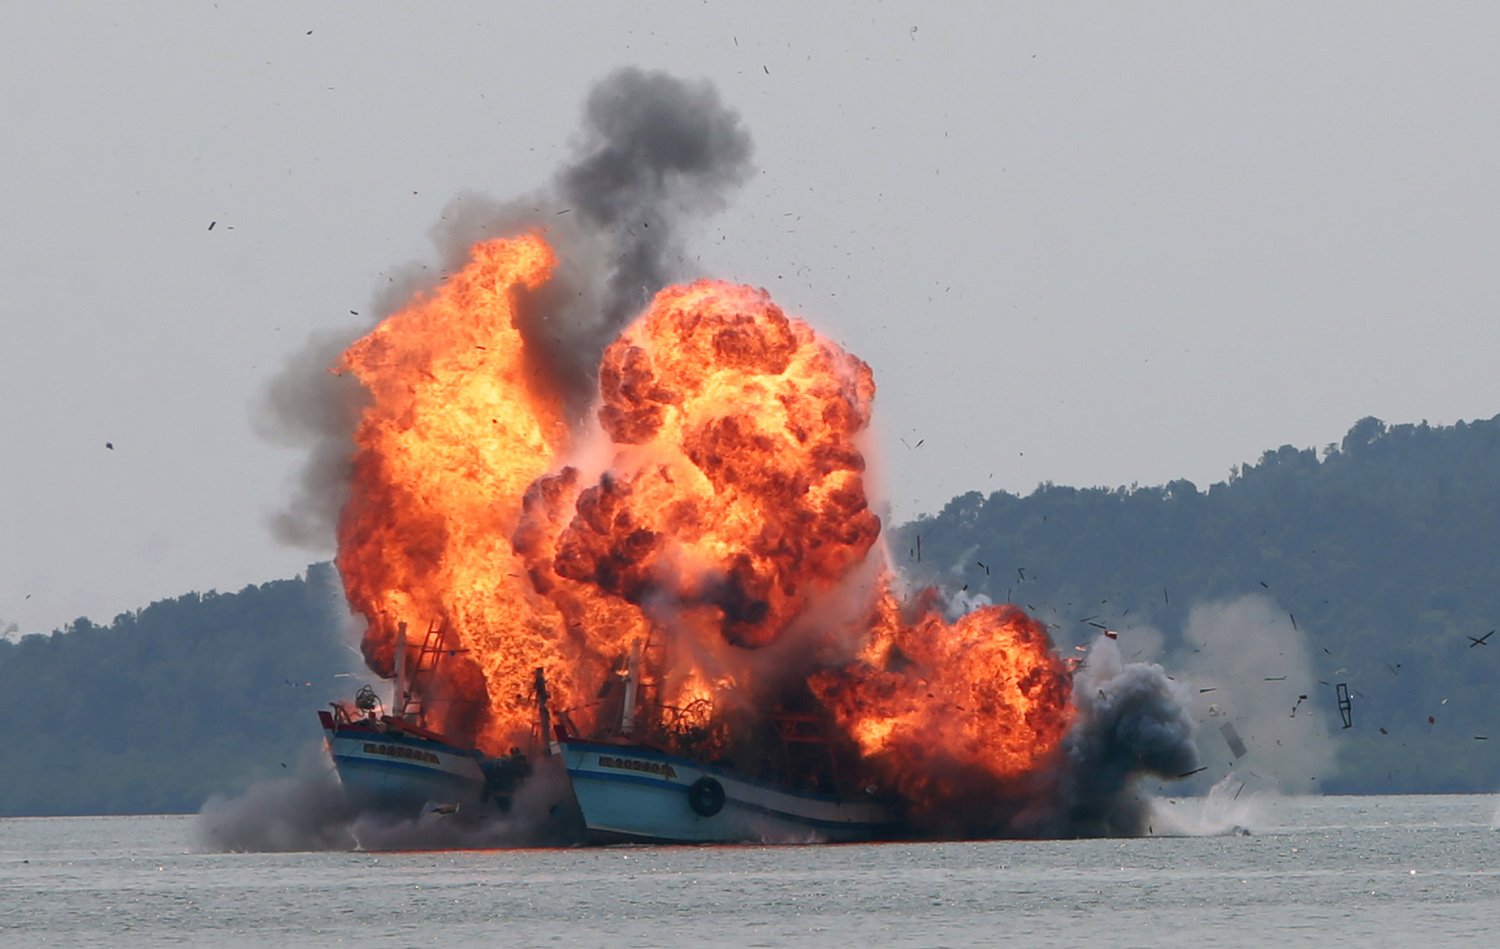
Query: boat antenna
x,y
632,684
400,702
544,718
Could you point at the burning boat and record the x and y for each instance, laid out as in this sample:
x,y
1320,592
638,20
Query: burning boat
x,y
393,764
640,783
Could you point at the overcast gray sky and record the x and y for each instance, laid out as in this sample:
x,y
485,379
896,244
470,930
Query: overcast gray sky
x,y
1097,244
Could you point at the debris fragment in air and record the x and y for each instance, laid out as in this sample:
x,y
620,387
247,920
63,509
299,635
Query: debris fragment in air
x,y
1233,740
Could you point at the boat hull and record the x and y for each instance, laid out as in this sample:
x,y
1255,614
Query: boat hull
x,y
399,773
636,794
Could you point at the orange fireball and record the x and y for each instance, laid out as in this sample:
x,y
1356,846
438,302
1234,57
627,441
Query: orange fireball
x,y
985,694
727,504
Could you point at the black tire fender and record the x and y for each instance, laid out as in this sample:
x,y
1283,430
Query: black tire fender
x,y
706,796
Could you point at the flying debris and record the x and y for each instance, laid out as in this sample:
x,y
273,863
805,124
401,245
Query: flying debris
x,y
1233,740
1189,774
1346,708
1293,617
110,445
1481,640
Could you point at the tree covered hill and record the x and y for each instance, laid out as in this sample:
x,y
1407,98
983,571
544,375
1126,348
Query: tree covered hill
x,y
1384,553
167,705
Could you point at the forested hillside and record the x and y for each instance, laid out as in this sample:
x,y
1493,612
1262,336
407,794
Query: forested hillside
x,y
1383,551
167,705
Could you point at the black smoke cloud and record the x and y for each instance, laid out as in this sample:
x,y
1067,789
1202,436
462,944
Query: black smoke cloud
x,y
1133,721
654,154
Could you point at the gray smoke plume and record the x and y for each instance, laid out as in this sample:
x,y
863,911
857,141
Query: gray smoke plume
x,y
306,406
303,811
308,811
655,150
654,153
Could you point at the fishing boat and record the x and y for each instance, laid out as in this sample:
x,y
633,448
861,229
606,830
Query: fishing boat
x,y
632,789
391,763
632,793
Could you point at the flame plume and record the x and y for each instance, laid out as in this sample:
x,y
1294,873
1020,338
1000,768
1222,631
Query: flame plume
x,y
455,429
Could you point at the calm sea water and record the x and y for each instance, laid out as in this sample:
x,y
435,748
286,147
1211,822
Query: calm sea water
x,y
1351,871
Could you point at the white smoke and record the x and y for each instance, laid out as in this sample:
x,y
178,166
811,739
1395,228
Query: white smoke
x,y
1251,668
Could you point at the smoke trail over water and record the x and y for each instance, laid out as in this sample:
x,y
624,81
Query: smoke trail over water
x,y
307,811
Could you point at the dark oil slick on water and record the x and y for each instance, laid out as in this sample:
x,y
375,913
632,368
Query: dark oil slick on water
x,y
1370,871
